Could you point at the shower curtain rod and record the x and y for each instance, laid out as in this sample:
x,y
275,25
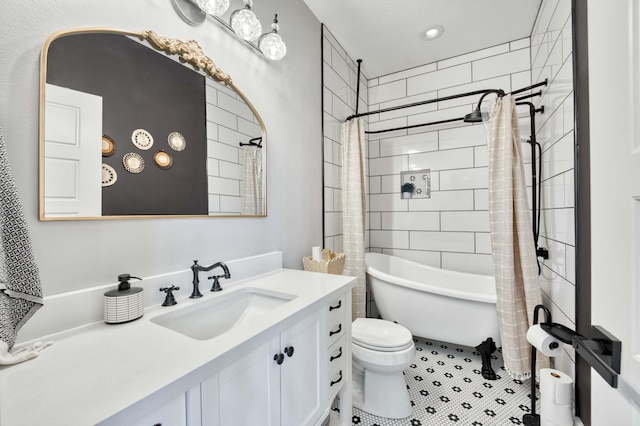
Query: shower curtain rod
x,y
484,92
450,120
429,101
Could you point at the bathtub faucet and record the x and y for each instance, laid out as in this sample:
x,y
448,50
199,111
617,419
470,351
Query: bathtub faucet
x,y
195,268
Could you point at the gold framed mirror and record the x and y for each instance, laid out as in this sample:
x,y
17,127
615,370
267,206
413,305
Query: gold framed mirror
x,y
135,125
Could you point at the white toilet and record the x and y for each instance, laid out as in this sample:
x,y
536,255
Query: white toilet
x,y
381,350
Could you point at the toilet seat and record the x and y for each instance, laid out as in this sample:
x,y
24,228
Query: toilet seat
x,y
380,335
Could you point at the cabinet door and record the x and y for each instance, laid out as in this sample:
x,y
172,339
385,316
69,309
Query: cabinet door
x,y
171,414
246,392
249,389
301,373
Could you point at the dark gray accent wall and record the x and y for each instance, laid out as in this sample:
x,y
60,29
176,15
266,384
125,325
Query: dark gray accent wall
x,y
141,89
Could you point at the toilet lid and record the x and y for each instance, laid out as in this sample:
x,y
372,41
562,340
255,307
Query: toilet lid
x,y
380,335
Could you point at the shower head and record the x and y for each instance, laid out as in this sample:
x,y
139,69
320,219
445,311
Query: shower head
x,y
475,117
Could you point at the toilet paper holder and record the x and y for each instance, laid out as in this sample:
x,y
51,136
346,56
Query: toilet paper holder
x,y
602,351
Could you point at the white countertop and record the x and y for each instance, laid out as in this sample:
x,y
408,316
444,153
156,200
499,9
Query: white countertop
x,y
93,372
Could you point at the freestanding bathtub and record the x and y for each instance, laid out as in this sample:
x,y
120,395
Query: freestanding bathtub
x,y
439,304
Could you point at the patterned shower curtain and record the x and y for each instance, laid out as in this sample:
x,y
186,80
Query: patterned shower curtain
x,y
513,248
251,195
354,208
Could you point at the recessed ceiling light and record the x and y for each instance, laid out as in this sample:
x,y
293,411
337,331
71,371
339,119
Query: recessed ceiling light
x,y
433,32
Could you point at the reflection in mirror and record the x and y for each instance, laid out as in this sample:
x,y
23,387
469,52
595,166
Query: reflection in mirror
x,y
127,131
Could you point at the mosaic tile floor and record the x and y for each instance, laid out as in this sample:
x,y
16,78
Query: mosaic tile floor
x,y
446,387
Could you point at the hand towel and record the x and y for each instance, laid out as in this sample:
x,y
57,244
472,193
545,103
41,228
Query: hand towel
x,y
20,289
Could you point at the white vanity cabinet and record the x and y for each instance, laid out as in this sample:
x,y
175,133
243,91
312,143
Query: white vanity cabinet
x,y
284,369
277,382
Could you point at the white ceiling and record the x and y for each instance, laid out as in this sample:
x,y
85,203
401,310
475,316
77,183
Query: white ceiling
x,y
387,34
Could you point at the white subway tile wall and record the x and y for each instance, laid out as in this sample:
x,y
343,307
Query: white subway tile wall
x,y
455,234
340,76
229,121
551,58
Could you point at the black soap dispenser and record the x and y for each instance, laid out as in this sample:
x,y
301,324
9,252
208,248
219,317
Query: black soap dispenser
x,y
125,303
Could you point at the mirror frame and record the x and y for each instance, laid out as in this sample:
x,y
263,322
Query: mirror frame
x,y
189,53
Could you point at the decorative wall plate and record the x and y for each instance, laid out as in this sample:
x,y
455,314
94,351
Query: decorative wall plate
x,y
162,159
176,141
142,139
109,175
133,162
108,146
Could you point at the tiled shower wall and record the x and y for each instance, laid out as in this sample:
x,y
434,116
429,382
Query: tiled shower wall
x,y
450,229
229,121
340,76
551,58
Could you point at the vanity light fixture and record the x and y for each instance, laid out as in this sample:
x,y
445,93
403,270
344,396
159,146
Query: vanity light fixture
x,y
271,44
245,23
242,22
213,7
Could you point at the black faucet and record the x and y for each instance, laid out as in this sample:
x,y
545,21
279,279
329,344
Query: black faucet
x,y
195,268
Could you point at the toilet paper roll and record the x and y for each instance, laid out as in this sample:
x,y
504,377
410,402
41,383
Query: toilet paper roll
x,y
556,386
554,414
316,253
543,341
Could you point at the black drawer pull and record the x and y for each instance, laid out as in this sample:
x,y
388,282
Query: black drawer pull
x,y
331,308
336,381
337,356
331,333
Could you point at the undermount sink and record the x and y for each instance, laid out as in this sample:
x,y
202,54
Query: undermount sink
x,y
212,318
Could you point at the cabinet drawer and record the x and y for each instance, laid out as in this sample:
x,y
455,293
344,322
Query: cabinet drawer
x,y
337,357
337,354
337,307
337,320
337,379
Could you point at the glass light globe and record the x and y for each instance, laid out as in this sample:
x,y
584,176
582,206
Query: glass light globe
x,y
246,25
213,7
272,46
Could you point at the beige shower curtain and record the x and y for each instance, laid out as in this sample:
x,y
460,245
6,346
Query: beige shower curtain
x,y
354,192
251,195
514,256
